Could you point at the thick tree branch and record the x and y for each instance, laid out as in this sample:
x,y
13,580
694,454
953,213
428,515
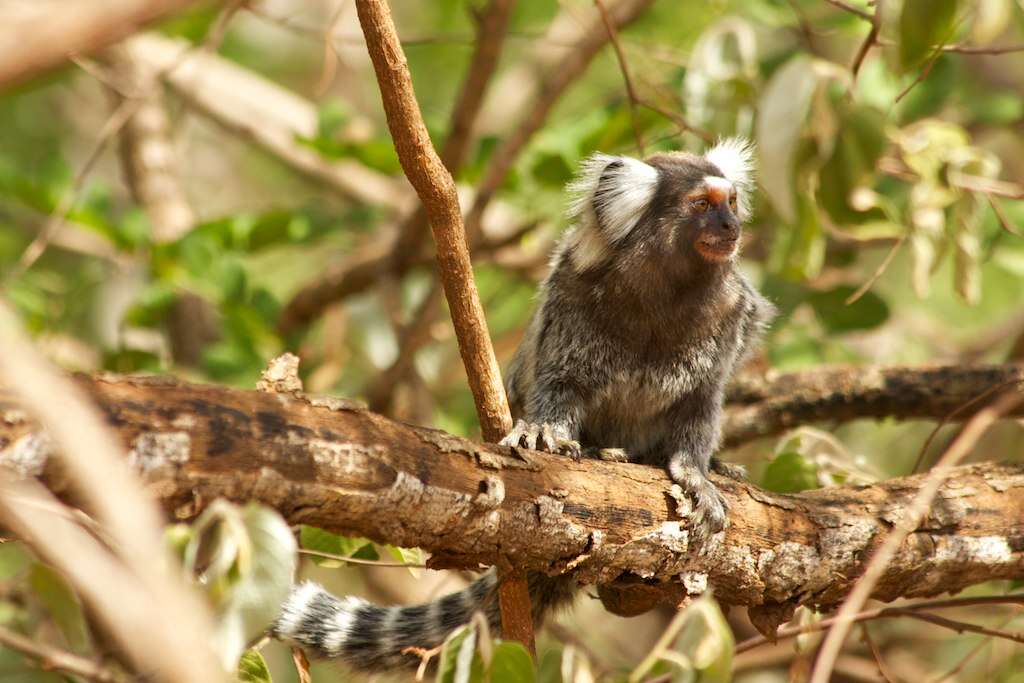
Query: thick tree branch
x,y
326,463
768,405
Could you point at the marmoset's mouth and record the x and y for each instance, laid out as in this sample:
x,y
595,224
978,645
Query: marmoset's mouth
x,y
717,248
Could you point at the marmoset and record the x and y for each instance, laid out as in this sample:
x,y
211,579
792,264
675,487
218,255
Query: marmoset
x,y
640,324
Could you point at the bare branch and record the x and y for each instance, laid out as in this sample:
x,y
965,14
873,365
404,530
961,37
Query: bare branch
x,y
763,406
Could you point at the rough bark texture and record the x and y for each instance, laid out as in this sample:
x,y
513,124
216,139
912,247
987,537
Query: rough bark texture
x,y
762,406
329,463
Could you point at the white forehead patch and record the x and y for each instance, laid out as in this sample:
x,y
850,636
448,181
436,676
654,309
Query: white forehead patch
x,y
734,157
716,183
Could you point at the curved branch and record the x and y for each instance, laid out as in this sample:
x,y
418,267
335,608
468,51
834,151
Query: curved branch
x,y
758,406
327,463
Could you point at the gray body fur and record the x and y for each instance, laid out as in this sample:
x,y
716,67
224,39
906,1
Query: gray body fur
x,y
627,356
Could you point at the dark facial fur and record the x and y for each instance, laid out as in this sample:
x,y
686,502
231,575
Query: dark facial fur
x,y
641,322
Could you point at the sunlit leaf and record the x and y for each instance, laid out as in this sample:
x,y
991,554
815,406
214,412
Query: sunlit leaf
x,y
790,473
314,538
783,111
252,668
706,640
459,661
245,558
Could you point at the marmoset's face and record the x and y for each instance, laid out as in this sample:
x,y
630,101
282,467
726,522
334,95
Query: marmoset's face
x,y
711,208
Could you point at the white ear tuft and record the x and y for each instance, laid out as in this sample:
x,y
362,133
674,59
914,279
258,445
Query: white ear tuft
x,y
611,194
734,157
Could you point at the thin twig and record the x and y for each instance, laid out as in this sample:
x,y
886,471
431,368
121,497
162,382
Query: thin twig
x,y
959,410
1004,220
875,653
965,660
613,36
862,290
913,515
788,632
69,198
360,561
847,7
922,74
301,665
54,659
870,40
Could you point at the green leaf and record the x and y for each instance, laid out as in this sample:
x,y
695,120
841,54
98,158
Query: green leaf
x,y
552,169
409,555
62,604
859,143
245,559
869,311
511,663
459,661
790,473
923,25
252,668
313,538
14,559
706,640
783,111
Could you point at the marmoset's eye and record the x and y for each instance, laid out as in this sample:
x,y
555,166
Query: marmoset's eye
x,y
701,205
732,202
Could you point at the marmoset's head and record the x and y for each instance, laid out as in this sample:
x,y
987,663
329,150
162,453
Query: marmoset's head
x,y
677,211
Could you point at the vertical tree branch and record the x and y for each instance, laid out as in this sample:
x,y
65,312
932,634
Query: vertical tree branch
x,y
436,189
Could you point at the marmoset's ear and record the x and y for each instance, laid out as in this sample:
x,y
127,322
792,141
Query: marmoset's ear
x,y
734,157
612,193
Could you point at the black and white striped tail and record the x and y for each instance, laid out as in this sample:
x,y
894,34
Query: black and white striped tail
x,y
373,638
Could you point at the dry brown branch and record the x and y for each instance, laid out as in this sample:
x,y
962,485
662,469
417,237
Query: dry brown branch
x,y
910,519
60,30
94,464
54,659
148,157
263,112
870,40
362,271
492,29
436,189
763,406
326,463
901,610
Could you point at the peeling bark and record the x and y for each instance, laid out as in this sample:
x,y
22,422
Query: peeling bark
x,y
333,464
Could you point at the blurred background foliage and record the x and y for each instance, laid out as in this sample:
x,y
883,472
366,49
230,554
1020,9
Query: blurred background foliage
x,y
887,227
